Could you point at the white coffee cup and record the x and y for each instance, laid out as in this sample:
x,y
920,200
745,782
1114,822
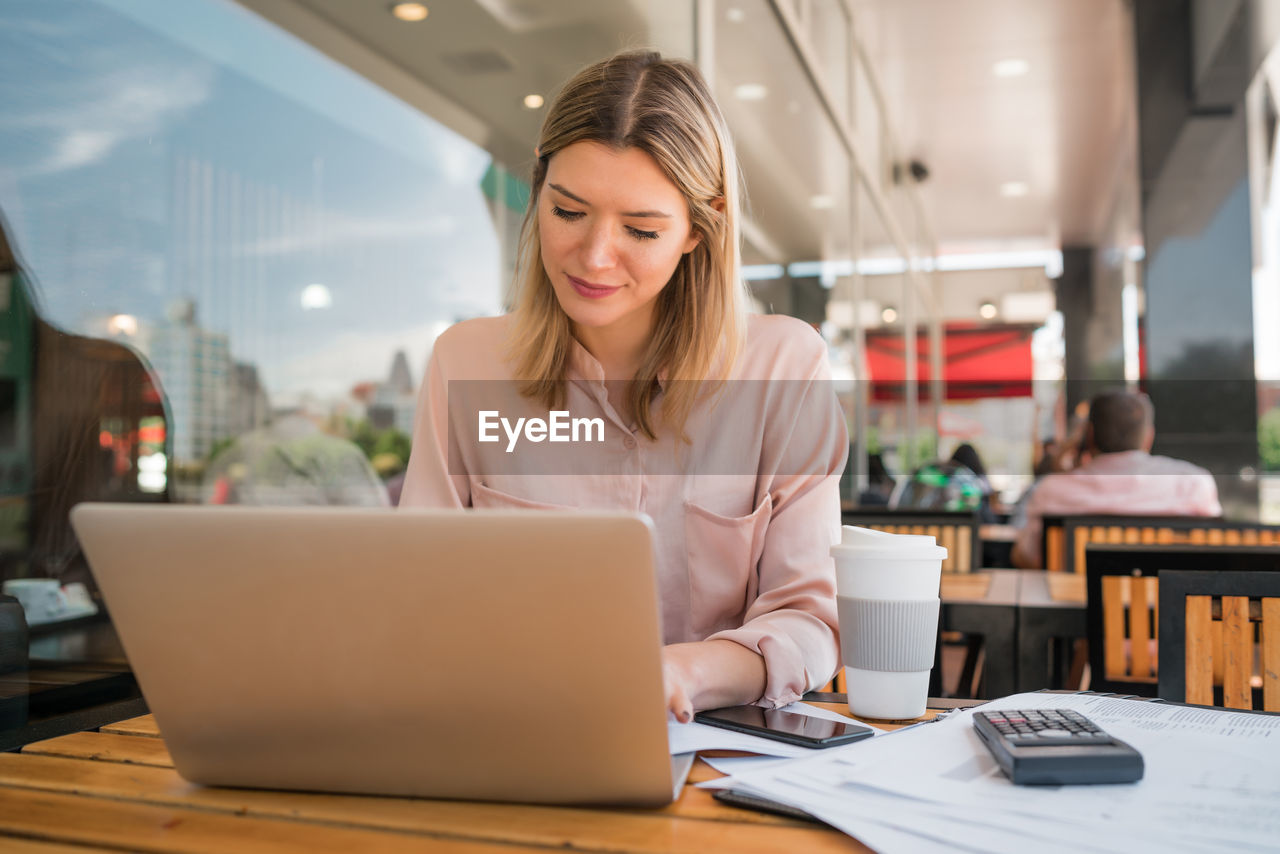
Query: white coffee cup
x,y
887,595
41,598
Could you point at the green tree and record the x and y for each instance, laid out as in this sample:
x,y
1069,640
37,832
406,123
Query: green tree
x,y
365,437
392,442
1269,440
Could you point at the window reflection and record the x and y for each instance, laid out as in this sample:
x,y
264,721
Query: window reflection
x,y
226,247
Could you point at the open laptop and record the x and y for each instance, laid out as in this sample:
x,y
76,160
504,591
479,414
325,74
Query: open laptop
x,y
505,655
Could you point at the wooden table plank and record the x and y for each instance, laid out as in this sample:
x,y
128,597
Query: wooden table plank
x,y
694,824
16,845
145,725
106,747
1067,586
70,818
965,586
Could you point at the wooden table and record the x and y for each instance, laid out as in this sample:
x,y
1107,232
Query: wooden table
x,y
116,789
1051,615
990,612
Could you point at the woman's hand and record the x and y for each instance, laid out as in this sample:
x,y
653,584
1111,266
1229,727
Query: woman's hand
x,y
710,675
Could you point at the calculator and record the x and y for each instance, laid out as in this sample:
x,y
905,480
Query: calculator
x,y
1055,747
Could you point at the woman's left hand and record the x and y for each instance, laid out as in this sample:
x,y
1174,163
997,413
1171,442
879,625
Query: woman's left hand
x,y
678,681
710,675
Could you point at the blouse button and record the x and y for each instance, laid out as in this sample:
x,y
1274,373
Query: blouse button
x,y
628,442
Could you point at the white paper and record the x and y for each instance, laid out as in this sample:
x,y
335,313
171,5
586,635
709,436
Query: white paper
x,y
1212,782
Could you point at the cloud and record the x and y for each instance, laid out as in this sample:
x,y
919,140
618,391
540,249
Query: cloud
x,y
100,112
349,231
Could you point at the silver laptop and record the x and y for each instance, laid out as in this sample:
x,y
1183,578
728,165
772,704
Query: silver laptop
x,y
511,656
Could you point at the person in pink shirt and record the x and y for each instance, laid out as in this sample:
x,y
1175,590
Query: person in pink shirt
x,y
630,320
1117,475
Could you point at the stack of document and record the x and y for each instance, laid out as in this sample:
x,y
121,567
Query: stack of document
x,y
1212,782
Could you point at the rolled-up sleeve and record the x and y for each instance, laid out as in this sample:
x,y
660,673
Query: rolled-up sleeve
x,y
792,621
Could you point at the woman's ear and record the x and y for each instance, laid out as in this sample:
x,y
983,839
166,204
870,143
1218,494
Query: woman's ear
x,y
695,236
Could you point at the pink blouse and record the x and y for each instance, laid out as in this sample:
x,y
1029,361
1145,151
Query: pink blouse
x,y
745,514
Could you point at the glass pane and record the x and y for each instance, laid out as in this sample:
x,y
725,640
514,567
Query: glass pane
x,y
796,169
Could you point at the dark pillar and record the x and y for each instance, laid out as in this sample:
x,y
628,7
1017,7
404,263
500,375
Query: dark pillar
x,y
1196,224
1073,291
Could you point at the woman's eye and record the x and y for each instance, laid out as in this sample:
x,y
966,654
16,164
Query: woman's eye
x,y
569,216
641,234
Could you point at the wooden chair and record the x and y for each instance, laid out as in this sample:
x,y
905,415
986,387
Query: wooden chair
x,y
1066,537
958,533
1123,613
1227,621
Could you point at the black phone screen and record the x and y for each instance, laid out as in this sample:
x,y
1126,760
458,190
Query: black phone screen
x,y
785,726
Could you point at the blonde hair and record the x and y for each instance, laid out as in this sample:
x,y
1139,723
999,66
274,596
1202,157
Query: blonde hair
x,y
663,108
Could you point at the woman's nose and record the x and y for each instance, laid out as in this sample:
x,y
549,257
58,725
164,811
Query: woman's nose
x,y
598,252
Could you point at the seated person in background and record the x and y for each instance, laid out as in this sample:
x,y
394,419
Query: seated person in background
x,y
967,456
1055,456
880,483
293,462
1117,475
943,485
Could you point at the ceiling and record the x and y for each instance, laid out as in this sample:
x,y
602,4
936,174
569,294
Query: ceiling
x,y
1065,128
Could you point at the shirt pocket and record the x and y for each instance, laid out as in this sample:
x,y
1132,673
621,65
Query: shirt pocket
x,y
723,552
487,498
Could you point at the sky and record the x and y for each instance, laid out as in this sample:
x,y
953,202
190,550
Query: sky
x,y
153,151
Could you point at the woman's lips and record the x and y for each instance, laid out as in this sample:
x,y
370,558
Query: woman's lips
x,y
588,290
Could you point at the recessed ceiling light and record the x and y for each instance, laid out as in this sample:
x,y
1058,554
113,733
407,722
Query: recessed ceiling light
x,y
409,11
750,92
735,15
988,310
889,314
1010,68
533,102
1013,189
822,203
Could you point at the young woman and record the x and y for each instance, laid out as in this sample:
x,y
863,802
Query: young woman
x,y
630,312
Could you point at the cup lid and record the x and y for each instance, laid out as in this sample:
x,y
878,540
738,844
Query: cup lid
x,y
867,542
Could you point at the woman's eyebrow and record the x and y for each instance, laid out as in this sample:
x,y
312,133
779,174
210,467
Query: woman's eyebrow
x,y
562,191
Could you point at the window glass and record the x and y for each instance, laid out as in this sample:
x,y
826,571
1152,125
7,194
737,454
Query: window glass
x,y
227,249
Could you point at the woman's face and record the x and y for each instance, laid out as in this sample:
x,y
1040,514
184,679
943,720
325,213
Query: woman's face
x,y
613,230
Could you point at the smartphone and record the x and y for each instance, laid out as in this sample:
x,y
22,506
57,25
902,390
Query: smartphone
x,y
803,730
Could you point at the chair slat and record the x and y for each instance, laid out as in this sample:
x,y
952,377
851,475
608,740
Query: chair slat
x,y
1237,651
1114,588
1140,628
1199,610
1055,549
1082,540
1232,537
1271,654
964,548
947,540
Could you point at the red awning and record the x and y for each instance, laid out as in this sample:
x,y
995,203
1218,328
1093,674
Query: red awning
x,y
978,361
